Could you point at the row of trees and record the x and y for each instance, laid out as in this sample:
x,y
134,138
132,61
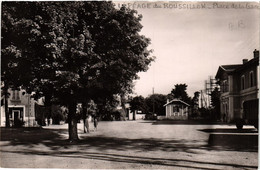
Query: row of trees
x,y
154,104
149,105
71,52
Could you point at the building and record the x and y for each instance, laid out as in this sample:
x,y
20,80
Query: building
x,y
133,115
21,108
238,84
175,109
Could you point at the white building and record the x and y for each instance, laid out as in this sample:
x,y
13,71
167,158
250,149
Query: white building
x,y
21,107
175,109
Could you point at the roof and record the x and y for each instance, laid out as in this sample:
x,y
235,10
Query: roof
x,y
250,63
176,101
230,67
227,69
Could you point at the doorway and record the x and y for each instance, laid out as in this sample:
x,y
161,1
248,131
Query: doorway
x,y
16,116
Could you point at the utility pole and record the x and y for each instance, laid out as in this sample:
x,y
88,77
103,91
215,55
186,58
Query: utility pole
x,y
29,110
153,101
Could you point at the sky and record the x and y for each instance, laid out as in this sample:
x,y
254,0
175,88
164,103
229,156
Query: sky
x,y
190,44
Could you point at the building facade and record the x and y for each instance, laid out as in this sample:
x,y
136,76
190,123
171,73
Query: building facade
x,y
238,84
21,109
175,109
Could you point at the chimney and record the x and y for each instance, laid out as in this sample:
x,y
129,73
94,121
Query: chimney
x,y
168,100
256,53
245,61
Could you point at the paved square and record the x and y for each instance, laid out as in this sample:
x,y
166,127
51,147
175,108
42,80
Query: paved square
x,y
132,145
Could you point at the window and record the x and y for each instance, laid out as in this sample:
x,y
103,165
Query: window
x,y
225,86
174,109
15,95
251,78
242,82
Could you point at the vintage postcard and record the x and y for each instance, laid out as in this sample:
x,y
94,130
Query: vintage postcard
x,y
129,84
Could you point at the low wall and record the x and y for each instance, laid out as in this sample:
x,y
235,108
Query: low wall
x,y
234,141
139,116
161,117
173,117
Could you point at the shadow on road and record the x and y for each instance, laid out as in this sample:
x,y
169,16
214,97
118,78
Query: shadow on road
x,y
233,138
58,146
187,122
56,139
229,130
33,135
181,163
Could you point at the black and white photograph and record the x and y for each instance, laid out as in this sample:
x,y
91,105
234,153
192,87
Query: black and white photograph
x,y
130,85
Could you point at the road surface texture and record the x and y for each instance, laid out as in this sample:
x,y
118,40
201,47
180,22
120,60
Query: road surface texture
x,y
132,145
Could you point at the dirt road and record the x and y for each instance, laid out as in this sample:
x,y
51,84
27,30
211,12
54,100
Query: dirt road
x,y
132,145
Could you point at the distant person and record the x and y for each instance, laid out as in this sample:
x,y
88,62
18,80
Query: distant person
x,y
48,121
45,122
95,123
87,124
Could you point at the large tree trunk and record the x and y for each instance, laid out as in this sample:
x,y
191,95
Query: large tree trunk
x,y
84,115
122,96
134,115
72,122
7,121
84,125
48,106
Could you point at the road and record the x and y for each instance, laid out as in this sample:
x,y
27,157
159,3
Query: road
x,y
132,145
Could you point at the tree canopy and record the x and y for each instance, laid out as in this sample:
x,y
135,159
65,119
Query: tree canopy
x,y
138,104
179,91
215,102
72,51
155,103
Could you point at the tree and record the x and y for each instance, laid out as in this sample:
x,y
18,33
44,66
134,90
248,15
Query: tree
x,y
75,51
215,102
155,103
179,92
11,55
106,107
41,36
195,100
170,96
57,114
138,104
195,104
